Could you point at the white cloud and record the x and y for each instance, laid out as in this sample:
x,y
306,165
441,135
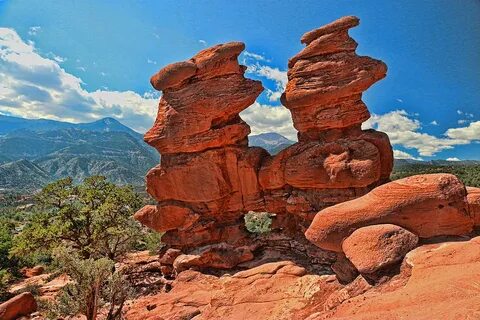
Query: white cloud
x,y
399,154
33,86
255,56
462,121
274,74
399,100
149,61
459,112
469,133
453,159
264,118
403,130
434,123
203,42
34,30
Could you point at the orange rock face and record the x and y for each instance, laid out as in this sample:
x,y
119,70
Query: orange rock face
x,y
437,281
209,178
443,285
427,205
21,305
326,80
375,247
271,291
473,199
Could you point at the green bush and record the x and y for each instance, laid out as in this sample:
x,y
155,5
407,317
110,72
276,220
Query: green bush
x,y
258,222
93,218
94,284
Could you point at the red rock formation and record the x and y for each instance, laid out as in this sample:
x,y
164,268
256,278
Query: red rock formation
x,y
376,247
427,205
21,305
437,281
334,160
271,291
473,199
209,178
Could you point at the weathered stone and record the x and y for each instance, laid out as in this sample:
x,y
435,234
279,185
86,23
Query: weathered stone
x,y
20,305
473,199
373,248
428,205
209,178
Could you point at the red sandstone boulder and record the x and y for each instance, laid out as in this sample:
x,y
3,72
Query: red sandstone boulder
x,y
21,305
473,199
340,24
373,248
427,205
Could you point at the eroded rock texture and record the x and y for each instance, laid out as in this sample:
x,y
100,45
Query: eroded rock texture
x,y
209,177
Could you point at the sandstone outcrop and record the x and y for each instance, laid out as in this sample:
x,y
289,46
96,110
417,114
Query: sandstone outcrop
x,y
437,281
473,199
20,305
373,248
271,291
442,284
209,178
426,205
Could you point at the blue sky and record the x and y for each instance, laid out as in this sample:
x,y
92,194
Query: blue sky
x,y
82,60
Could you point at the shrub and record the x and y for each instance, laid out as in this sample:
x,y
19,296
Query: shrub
x,y
258,222
94,219
94,284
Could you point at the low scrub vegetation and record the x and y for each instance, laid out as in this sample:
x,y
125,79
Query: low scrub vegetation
x,y
80,230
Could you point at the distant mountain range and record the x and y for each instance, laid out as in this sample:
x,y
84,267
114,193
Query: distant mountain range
x,y
35,152
271,141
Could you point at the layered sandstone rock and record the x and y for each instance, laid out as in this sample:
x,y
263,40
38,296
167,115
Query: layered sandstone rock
x,y
283,290
209,178
271,291
427,205
334,160
326,80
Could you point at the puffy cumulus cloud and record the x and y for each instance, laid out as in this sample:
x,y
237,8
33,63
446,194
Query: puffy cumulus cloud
x,y
274,74
33,86
265,118
403,130
469,133
399,154
254,63
453,159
